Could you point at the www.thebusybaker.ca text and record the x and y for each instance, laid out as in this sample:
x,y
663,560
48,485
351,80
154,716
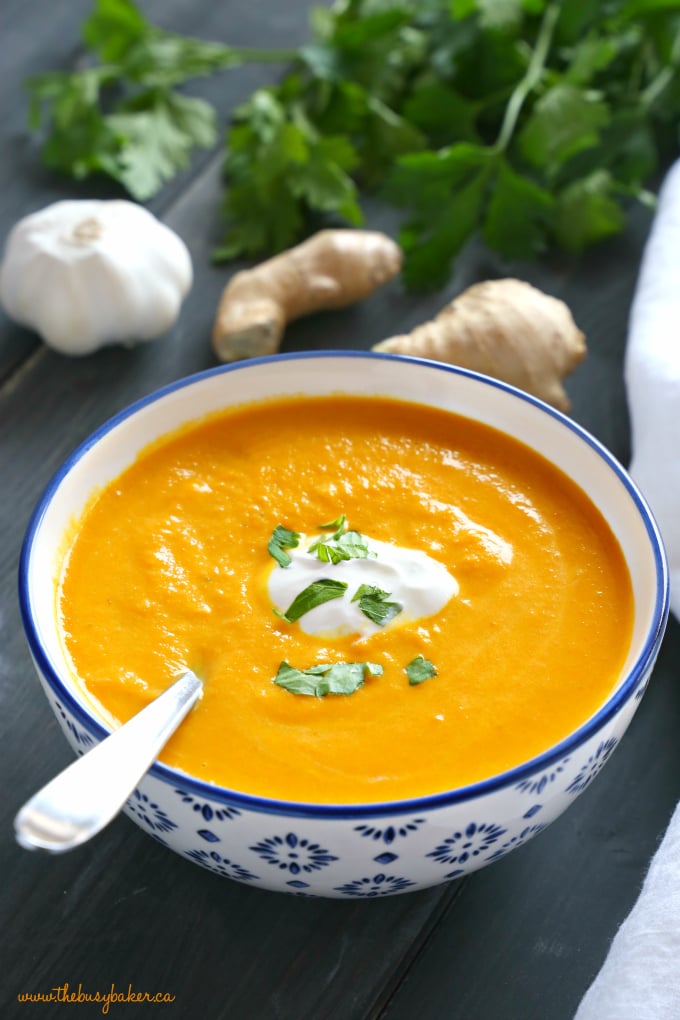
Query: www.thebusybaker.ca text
x,y
64,993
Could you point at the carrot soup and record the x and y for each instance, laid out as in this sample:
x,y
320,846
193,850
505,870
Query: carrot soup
x,y
385,600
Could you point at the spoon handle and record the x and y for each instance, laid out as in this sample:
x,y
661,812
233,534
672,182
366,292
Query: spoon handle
x,y
81,800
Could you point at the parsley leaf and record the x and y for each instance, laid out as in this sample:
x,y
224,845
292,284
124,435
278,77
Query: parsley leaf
x,y
315,594
350,546
442,113
587,212
337,526
518,215
565,120
373,604
282,539
159,137
445,191
112,27
332,678
138,130
419,670
80,141
278,166
342,545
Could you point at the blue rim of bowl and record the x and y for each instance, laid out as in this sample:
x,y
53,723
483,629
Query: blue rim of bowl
x,y
312,811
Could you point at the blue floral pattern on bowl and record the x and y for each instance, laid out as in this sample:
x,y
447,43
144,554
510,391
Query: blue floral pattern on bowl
x,y
515,841
473,841
293,854
83,740
535,785
592,766
377,885
389,833
220,812
141,807
220,865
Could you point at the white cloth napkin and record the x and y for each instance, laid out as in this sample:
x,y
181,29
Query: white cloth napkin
x,y
640,978
652,374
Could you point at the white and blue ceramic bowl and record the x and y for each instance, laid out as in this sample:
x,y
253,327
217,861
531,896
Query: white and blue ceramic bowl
x,y
363,850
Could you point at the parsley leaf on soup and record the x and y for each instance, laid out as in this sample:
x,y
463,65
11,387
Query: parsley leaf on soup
x,y
337,526
350,546
373,603
315,594
341,545
419,670
331,678
282,539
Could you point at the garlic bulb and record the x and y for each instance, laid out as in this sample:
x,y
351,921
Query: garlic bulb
x,y
86,273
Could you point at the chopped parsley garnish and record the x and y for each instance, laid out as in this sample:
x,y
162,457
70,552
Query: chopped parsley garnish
x,y
315,594
328,678
282,539
350,546
337,526
373,604
341,545
419,669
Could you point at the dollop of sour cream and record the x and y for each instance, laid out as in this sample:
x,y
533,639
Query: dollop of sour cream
x,y
420,584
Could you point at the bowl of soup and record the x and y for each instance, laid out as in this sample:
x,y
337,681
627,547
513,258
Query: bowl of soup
x,y
425,607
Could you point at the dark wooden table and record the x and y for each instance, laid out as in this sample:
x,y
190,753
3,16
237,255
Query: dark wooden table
x,y
521,939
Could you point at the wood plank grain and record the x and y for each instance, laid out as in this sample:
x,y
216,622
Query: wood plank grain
x,y
124,910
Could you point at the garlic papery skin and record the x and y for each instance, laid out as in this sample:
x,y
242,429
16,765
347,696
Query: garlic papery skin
x,y
87,273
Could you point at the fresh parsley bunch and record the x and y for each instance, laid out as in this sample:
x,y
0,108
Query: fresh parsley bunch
x,y
534,122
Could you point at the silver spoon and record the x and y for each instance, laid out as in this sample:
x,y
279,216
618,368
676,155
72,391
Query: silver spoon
x,y
89,793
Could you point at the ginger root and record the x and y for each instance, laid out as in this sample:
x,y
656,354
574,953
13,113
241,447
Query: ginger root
x,y
332,269
506,329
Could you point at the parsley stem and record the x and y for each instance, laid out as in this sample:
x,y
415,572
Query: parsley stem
x,y
531,77
660,82
657,86
257,56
